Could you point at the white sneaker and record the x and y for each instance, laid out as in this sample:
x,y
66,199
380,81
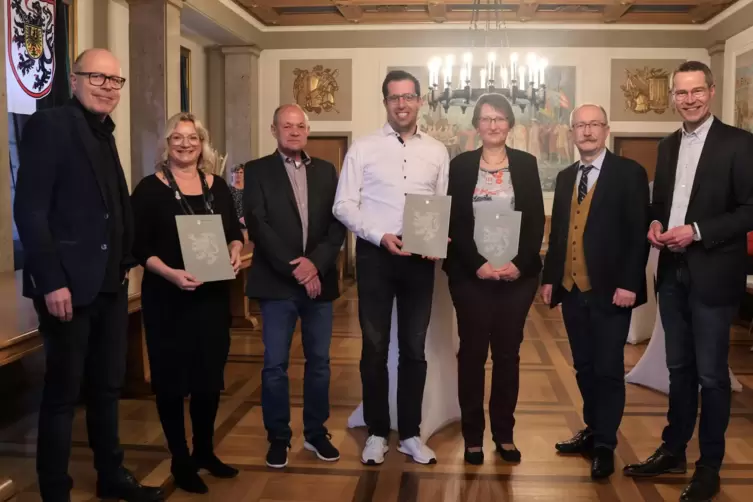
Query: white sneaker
x,y
416,448
373,452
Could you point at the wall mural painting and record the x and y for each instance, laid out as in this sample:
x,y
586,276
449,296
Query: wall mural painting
x,y
744,91
544,132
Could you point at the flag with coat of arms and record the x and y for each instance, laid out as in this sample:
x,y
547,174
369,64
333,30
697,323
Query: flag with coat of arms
x,y
36,59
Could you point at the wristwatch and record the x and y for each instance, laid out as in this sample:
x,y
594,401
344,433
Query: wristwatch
x,y
696,235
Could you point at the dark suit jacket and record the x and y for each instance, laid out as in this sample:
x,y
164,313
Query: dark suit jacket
x,y
614,240
462,254
721,203
61,209
274,226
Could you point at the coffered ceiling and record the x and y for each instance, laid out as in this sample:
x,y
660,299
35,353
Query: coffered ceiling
x,y
338,12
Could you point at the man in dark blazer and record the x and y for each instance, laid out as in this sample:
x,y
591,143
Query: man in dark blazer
x,y
702,209
288,200
596,267
73,214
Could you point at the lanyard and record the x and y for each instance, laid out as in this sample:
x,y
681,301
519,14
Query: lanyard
x,y
206,194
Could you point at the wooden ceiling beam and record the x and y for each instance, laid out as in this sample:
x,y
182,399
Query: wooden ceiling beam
x,y
705,10
353,13
437,11
527,10
260,9
613,12
283,4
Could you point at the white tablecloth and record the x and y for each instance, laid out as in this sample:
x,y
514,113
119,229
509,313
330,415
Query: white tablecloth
x,y
440,406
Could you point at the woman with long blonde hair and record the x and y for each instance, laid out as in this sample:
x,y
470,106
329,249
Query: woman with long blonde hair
x,y
187,323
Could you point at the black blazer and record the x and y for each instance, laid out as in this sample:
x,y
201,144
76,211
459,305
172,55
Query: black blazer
x,y
60,207
721,203
462,254
614,240
274,226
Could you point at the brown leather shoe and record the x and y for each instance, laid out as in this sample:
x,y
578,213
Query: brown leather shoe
x,y
661,462
582,442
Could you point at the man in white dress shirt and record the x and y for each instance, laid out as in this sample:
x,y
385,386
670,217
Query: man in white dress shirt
x,y
702,209
379,170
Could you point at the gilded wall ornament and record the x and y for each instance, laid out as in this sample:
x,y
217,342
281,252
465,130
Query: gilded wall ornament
x,y
314,90
646,90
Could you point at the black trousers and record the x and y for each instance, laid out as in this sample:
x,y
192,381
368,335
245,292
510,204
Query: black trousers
x,y
203,410
490,313
597,331
382,278
86,354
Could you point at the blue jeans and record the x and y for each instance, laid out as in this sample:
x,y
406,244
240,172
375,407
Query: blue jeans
x,y
279,318
697,339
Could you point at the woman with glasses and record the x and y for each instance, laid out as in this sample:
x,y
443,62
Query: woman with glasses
x,y
187,323
491,303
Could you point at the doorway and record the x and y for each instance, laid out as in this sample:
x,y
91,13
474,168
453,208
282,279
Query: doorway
x,y
641,150
333,149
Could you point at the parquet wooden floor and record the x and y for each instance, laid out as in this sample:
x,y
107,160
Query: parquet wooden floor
x,y
548,411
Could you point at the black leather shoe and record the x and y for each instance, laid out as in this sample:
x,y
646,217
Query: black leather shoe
x,y
582,442
474,457
123,486
661,462
602,465
703,486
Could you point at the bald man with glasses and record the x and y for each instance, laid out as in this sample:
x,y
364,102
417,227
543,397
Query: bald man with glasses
x,y
73,213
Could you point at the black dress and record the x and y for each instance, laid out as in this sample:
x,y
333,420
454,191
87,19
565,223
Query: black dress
x,y
187,332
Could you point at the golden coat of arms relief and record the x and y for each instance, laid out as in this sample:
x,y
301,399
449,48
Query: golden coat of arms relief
x,y
646,90
314,90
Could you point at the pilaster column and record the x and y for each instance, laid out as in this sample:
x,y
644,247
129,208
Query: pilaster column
x,y
716,51
154,56
6,210
241,103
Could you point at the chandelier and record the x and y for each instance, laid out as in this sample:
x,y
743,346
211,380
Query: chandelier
x,y
523,83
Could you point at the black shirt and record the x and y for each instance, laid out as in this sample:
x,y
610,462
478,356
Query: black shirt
x,y
108,164
154,211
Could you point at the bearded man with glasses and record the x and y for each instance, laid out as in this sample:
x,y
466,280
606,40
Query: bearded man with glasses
x,y
73,213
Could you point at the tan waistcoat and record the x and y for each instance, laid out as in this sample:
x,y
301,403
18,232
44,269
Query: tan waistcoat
x,y
576,271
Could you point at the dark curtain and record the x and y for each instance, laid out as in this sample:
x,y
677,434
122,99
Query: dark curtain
x,y
61,88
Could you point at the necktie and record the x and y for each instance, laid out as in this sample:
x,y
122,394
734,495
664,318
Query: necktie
x,y
583,185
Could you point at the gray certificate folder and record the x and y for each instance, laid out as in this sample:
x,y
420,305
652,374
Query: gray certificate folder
x,y
497,233
204,247
426,224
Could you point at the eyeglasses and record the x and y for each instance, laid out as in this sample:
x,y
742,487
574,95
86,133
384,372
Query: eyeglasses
x,y
178,139
409,98
697,93
485,121
98,79
580,126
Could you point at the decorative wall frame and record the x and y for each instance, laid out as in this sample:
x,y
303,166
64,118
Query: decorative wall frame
x,y
744,91
640,90
322,87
